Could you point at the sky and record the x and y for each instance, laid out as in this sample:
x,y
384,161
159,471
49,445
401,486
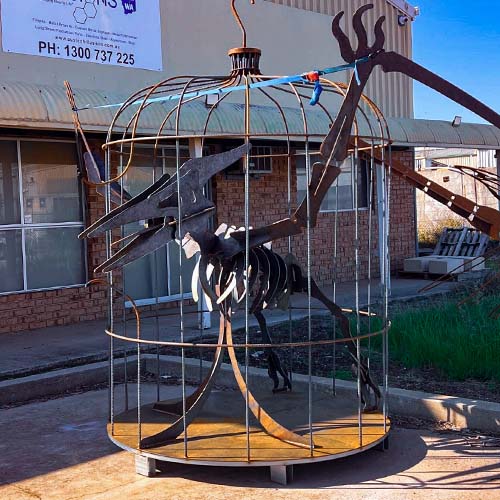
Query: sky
x,y
460,41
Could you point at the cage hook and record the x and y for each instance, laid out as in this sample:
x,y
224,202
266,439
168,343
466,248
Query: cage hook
x,y
240,23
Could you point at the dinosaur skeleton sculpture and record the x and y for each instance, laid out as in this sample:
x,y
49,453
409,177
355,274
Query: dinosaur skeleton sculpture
x,y
177,209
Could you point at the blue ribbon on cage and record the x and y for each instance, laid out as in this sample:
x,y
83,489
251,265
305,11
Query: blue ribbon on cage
x,y
313,77
302,78
318,89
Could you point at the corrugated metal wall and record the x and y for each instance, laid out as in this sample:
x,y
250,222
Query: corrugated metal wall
x,y
476,158
420,163
462,161
486,159
393,93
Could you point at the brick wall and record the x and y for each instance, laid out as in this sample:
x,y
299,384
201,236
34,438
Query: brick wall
x,y
27,311
268,203
31,310
403,223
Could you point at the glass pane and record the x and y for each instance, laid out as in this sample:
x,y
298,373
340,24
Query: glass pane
x,y
11,261
187,270
54,257
50,182
343,185
300,161
170,161
140,278
140,275
301,185
10,212
363,184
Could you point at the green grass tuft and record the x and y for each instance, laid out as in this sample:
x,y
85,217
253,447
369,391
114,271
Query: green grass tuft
x,y
461,341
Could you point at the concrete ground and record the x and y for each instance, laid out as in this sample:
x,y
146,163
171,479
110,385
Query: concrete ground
x,y
37,351
59,450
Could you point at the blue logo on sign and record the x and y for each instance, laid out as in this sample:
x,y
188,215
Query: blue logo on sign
x,y
89,8
129,6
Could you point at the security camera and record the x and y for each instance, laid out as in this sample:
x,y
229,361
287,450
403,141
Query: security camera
x,y
403,20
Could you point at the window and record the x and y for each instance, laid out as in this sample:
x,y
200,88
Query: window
x,y
340,196
261,160
40,216
158,273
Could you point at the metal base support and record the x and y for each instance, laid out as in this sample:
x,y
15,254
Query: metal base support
x,y
384,445
145,466
281,474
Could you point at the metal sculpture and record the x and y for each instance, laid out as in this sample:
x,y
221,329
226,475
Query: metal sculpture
x,y
267,278
336,143
241,265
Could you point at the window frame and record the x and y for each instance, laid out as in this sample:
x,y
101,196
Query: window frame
x,y
23,227
261,155
302,152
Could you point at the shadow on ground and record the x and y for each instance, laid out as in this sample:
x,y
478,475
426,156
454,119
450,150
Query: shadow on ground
x,y
55,447
371,465
440,462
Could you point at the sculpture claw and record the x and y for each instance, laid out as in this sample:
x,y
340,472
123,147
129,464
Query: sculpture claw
x,y
363,50
379,35
346,50
360,30
370,393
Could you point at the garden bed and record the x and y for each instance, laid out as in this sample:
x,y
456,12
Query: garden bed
x,y
438,346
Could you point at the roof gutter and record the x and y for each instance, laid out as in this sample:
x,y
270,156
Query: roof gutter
x,y
406,8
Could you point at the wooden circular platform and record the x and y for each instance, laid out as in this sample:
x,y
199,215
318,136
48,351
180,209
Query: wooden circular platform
x,y
218,436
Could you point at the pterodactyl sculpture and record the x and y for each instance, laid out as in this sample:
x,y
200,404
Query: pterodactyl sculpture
x,y
178,210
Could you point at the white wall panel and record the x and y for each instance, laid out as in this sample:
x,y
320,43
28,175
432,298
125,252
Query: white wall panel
x,y
294,35
393,93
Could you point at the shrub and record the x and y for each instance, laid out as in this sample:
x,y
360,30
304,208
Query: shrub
x,y
429,232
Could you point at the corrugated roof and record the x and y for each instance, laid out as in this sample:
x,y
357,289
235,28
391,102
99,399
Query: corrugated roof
x,y
445,153
442,134
25,105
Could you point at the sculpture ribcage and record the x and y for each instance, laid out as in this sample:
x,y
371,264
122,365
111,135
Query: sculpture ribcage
x,y
269,281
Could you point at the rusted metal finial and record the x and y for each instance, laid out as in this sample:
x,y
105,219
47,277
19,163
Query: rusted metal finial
x,y
240,23
244,60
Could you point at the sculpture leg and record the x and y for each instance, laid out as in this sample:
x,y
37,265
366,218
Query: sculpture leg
x,y
176,407
366,381
273,359
270,425
196,402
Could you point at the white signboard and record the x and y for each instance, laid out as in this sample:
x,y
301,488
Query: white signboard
x,y
114,32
